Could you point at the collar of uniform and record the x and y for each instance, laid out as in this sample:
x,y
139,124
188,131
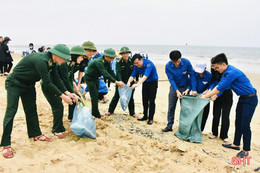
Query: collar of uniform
x,y
173,66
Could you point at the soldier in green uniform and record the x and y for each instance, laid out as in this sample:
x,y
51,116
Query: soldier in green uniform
x,y
64,81
90,50
124,69
21,83
97,68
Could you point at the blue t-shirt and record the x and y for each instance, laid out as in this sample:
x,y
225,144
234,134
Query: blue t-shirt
x,y
179,76
148,70
202,83
237,81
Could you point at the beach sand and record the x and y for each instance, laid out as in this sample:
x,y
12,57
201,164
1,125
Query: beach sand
x,y
123,144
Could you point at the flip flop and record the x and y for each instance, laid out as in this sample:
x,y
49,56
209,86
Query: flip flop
x,y
60,135
42,138
230,146
108,114
7,152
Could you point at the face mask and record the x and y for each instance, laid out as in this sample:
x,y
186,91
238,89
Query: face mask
x,y
31,48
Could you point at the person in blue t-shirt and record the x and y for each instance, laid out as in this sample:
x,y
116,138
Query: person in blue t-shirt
x,y
236,80
178,71
203,82
150,85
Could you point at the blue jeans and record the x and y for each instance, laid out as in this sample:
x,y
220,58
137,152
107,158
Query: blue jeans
x,y
172,104
244,113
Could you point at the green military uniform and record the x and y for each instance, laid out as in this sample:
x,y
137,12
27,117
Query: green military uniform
x,y
123,72
81,68
95,70
55,101
21,83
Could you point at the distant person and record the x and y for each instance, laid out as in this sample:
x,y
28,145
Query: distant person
x,y
149,87
178,71
236,80
40,49
6,57
221,108
146,57
48,48
1,57
1,40
43,48
31,48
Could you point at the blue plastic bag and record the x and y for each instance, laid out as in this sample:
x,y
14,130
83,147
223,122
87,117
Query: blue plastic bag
x,y
125,95
83,123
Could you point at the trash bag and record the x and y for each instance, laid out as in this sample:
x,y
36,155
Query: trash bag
x,y
83,123
190,118
125,95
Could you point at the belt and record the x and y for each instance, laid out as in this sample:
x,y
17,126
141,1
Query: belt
x,y
247,96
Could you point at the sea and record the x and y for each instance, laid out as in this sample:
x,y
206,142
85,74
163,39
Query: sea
x,y
246,59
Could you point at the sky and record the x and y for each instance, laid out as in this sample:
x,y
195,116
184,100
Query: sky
x,y
150,22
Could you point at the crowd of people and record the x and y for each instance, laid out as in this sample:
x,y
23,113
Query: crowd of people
x,y
56,69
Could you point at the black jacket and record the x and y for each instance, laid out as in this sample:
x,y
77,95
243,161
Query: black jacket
x,y
5,55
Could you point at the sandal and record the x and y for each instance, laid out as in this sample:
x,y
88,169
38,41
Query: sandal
x,y
108,114
230,146
212,136
42,138
135,116
60,135
7,152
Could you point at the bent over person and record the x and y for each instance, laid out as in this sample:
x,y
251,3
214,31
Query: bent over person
x,y
21,84
236,80
97,68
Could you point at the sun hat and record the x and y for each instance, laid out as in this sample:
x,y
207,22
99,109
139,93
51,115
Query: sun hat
x,y
61,50
110,53
89,45
77,50
200,68
124,49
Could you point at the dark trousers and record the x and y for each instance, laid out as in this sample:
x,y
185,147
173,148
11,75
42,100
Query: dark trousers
x,y
71,110
107,81
27,93
7,66
57,109
205,116
172,105
1,67
149,91
221,108
101,95
113,103
244,112
93,92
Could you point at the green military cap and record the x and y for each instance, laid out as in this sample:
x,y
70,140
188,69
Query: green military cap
x,y
61,50
124,50
78,50
89,45
110,53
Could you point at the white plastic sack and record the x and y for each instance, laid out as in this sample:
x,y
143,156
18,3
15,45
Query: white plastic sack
x,y
83,123
125,95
